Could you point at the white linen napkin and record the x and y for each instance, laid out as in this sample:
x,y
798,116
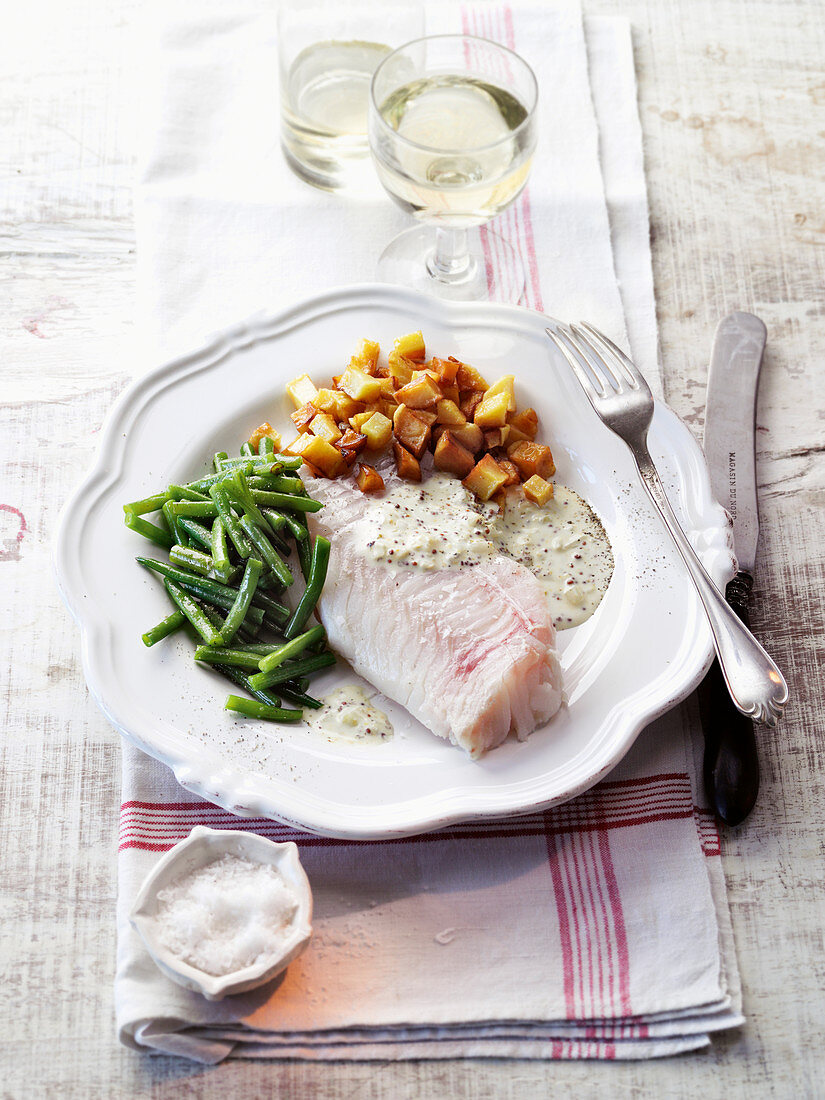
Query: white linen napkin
x,y
598,929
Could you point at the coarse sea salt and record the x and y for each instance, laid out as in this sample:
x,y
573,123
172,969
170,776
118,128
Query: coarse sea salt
x,y
227,915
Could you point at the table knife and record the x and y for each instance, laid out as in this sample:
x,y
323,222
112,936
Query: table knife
x,y
731,762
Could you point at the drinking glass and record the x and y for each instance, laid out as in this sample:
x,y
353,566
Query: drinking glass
x,y
452,129
327,54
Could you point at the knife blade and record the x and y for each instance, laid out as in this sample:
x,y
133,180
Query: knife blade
x,y
731,761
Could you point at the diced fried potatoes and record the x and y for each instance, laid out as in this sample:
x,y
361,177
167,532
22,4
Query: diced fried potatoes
x,y
264,431
359,385
420,392
485,478
368,479
532,458
324,426
474,430
447,412
323,456
492,411
407,465
411,345
538,490
301,390
451,456
350,445
378,431
411,431
526,422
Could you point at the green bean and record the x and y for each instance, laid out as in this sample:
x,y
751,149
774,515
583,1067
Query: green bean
x,y
220,551
193,613
239,677
262,544
266,446
185,492
288,650
202,509
149,530
274,610
246,449
221,595
285,500
278,483
164,628
203,484
270,463
196,531
289,462
288,672
315,582
289,692
276,523
301,683
148,504
223,655
218,459
187,558
238,610
238,491
230,520
251,708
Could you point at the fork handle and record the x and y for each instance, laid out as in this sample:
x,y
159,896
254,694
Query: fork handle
x,y
756,685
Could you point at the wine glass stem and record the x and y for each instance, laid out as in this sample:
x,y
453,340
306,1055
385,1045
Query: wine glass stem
x,y
451,260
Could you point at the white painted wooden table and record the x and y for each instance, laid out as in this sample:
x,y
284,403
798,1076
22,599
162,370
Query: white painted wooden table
x,y
732,98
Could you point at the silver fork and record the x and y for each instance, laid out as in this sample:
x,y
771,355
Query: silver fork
x,y
622,399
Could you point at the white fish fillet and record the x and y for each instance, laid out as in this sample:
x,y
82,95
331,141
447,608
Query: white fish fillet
x,y
469,652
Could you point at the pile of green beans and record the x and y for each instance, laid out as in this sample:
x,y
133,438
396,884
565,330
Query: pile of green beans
x,y
229,536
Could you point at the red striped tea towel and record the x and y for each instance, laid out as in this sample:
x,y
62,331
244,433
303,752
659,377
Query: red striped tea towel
x,y
598,929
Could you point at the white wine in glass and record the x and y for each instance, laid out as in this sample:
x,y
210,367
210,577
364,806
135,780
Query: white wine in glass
x,y
452,132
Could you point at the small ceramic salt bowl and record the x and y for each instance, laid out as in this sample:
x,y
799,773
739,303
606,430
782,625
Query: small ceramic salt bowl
x,y
204,846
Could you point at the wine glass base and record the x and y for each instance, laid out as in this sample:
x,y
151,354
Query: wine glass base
x,y
493,273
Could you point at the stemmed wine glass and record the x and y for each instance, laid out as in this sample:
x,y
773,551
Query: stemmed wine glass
x,y
452,131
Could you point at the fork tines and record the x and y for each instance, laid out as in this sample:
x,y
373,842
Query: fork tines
x,y
600,366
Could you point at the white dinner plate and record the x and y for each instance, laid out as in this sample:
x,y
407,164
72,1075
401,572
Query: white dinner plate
x,y
646,647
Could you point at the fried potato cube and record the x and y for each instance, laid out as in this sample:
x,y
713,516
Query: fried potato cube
x,y
468,378
367,356
532,458
377,429
469,402
324,426
357,421
359,385
335,402
302,417
492,411
427,415
410,430
296,447
407,465
350,445
485,478
451,393
411,346
368,479
420,392
469,436
526,422
449,413
510,468
446,369
496,437
504,385
301,390
400,368
323,456
538,490
451,456
264,431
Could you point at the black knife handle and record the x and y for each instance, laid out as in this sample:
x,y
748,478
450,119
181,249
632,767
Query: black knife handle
x,y
731,763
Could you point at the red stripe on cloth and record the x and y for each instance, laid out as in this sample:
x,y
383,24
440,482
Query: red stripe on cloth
x,y
708,831
565,937
619,930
